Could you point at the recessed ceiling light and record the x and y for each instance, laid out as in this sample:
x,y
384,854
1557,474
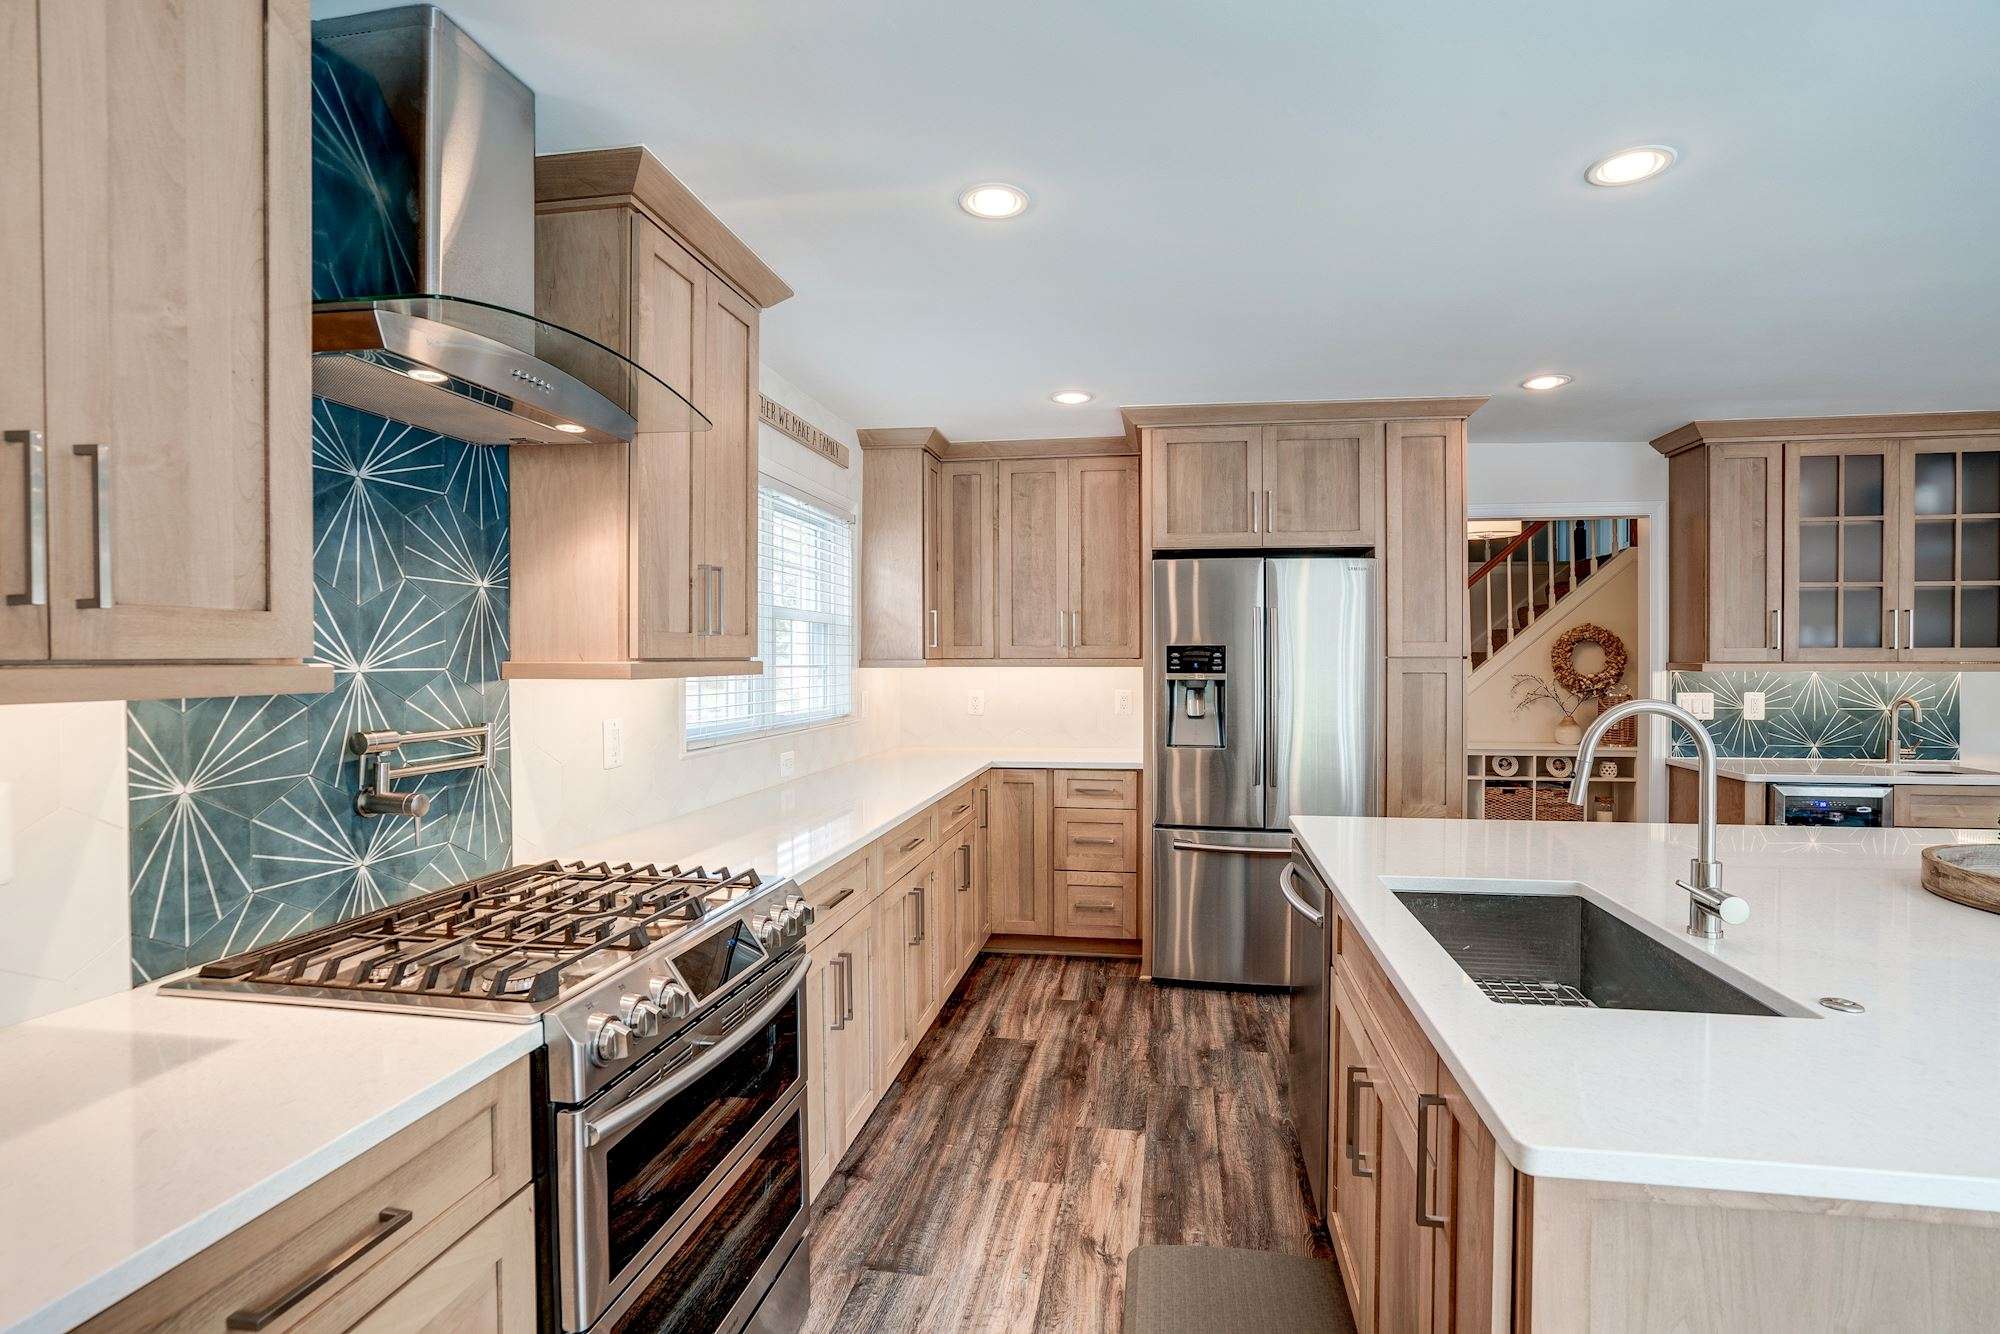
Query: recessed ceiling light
x,y
571,427
1069,398
1551,380
993,200
1629,166
428,377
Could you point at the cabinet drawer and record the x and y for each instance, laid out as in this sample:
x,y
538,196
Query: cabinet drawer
x,y
838,894
908,844
1097,841
1947,807
1098,904
447,1172
1097,789
1392,1028
957,808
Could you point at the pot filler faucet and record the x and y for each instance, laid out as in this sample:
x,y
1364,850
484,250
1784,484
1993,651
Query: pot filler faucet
x,y
1708,906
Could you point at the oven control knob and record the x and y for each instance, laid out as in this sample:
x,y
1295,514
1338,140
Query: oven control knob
x,y
610,1040
670,997
640,1015
768,930
799,910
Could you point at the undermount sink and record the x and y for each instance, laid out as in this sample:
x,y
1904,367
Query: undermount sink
x,y
1564,950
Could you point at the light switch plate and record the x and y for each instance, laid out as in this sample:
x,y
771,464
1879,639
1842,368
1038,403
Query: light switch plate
x,y
788,763
1121,703
614,742
975,703
1700,703
1753,706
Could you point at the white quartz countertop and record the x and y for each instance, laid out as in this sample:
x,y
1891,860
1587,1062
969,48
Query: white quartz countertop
x,y
1894,1105
1929,773
806,826
138,1129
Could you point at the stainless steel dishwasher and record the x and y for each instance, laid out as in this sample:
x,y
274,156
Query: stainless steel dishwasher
x,y
1310,1023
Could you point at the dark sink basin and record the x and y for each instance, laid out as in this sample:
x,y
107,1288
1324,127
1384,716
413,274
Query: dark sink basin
x,y
1562,949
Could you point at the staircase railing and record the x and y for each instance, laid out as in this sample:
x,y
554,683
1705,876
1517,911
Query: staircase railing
x,y
1521,578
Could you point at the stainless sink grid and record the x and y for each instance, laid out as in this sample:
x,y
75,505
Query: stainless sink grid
x,y
1526,991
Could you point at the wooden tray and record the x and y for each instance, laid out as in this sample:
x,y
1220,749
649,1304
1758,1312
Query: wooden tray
x,y
1967,873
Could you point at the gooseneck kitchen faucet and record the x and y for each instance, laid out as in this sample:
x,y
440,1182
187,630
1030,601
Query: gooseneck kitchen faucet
x,y
1708,906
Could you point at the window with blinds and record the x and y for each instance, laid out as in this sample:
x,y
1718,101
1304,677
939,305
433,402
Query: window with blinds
x,y
805,628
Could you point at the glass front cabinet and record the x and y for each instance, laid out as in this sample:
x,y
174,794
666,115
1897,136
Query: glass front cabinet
x,y
1892,550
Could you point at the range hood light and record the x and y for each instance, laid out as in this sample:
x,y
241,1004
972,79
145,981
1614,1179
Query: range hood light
x,y
423,376
570,427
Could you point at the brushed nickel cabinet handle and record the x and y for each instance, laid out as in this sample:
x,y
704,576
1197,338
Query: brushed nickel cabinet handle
x,y
1253,511
1895,630
838,899
1774,622
982,808
1082,791
38,519
923,911
847,988
100,455
721,598
916,842
1911,637
1355,1156
1426,1187
1093,907
1270,522
965,867
839,991
1094,841
387,1223
934,627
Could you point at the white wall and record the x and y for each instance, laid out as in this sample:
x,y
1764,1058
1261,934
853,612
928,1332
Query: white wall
x,y
1583,474
65,924
1491,720
1025,706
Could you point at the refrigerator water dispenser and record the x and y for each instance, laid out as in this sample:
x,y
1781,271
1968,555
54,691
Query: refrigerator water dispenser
x,y
1195,686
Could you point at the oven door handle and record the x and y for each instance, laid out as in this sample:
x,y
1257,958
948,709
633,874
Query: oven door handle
x,y
638,1108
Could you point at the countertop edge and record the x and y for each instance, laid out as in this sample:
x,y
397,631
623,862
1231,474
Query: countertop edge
x,y
1749,771
99,1294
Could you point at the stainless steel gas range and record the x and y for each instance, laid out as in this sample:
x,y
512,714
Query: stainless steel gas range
x,y
673,1148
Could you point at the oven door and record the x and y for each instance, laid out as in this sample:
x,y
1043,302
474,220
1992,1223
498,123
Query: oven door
x,y
648,1159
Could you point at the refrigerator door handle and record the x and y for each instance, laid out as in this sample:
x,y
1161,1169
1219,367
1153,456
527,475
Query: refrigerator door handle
x,y
1262,723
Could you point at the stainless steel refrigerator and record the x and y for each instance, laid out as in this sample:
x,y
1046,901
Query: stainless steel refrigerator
x,y
1269,706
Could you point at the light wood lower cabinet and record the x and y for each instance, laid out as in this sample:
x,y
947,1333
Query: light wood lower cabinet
x,y
1423,759
427,1192
1021,876
486,1281
841,1072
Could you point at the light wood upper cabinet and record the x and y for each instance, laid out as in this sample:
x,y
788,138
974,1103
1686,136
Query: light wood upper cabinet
x,y
1020,874
1423,548
1323,484
899,582
1843,551
1032,563
1104,558
962,607
1838,540
641,559
24,601
155,256
1208,486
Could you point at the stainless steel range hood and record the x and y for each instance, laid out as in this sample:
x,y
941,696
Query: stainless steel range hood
x,y
458,353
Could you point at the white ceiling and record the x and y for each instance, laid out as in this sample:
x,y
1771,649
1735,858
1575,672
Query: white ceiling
x,y
1323,200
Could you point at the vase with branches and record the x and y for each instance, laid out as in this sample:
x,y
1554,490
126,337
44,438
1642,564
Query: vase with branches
x,y
1529,690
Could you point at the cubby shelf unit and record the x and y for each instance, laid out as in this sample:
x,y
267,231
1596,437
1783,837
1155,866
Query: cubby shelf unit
x,y
1535,791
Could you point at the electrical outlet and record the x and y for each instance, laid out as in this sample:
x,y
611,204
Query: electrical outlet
x,y
1121,703
975,703
614,742
1753,706
1700,703
788,763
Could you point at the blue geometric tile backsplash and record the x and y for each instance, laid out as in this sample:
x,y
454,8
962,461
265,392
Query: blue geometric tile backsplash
x,y
1826,715
243,828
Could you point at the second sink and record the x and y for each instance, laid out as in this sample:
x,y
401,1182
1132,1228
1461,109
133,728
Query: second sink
x,y
1563,950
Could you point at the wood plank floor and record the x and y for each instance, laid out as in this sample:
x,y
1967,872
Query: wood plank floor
x,y
1060,1113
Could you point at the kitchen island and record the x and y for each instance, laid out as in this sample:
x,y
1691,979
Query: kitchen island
x,y
1726,1170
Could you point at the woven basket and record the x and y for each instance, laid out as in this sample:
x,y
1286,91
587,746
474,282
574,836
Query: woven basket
x,y
1508,802
1623,734
1552,804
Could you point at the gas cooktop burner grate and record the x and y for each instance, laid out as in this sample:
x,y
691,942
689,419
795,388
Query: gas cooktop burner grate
x,y
516,935
1526,991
